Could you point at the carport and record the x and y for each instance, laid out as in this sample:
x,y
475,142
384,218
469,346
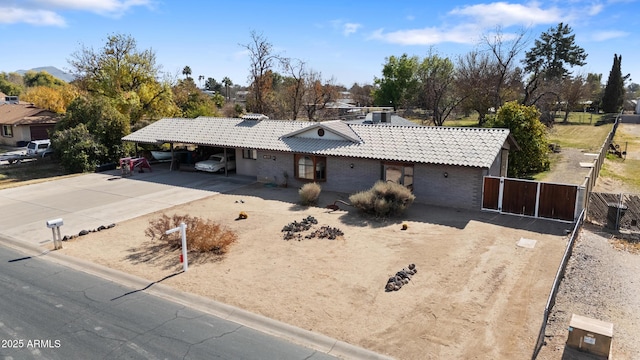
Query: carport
x,y
175,160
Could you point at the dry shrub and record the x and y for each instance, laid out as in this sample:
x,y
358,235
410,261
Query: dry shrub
x,y
383,199
202,235
309,193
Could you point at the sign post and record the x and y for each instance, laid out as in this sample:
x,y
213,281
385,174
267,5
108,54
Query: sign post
x,y
183,232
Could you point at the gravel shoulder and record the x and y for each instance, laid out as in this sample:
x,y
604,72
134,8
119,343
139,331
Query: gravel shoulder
x,y
600,282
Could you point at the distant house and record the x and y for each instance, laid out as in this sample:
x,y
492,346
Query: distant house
x,y
442,165
22,122
383,118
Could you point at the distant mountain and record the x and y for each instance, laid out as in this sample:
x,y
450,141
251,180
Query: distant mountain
x,y
51,70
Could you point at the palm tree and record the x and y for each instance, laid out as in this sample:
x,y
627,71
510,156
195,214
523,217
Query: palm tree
x,y
227,83
186,72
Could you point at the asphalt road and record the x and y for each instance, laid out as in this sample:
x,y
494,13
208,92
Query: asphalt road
x,y
49,311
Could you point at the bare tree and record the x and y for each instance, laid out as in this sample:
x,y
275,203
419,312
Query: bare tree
x,y
317,94
437,79
262,60
574,90
362,94
505,52
475,75
294,89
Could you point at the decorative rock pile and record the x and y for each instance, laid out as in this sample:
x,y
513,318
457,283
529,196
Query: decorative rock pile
x,y
293,230
85,232
402,277
325,232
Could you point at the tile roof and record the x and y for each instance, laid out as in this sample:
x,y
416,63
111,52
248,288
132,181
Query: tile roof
x,y
24,114
475,147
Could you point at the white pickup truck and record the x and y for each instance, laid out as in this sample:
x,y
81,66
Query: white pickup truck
x,y
35,149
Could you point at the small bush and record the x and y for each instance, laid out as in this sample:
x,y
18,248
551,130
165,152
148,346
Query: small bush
x,y
309,193
383,199
202,235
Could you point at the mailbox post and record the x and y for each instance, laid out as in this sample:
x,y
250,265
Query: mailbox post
x,y
54,225
183,232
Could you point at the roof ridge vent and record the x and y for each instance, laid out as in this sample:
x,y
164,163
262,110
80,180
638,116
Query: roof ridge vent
x,y
256,117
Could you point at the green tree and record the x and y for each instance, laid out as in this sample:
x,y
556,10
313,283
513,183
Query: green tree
x,y
121,72
11,84
41,78
530,135
227,83
547,62
186,71
104,122
398,84
192,102
77,149
212,85
613,97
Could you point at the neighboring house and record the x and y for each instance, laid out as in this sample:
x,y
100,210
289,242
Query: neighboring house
x,y
383,118
442,165
23,122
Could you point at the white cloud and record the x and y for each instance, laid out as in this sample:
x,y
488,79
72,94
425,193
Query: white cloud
x,y
346,28
47,12
473,20
608,35
463,34
595,9
505,14
105,7
350,28
10,15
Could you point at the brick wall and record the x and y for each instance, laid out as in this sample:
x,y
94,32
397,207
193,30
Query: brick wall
x,y
461,188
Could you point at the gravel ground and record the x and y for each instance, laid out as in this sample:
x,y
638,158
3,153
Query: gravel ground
x,y
601,283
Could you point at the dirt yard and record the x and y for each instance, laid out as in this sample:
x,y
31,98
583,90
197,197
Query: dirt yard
x,y
476,295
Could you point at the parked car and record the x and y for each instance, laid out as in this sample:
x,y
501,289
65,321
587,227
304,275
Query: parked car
x,y
217,163
39,148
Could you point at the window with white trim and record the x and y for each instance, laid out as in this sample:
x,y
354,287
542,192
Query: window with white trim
x,y
7,131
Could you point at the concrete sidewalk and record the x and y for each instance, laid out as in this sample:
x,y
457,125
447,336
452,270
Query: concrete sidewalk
x,y
89,201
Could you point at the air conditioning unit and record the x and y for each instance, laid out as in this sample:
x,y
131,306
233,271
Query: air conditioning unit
x,y
381,117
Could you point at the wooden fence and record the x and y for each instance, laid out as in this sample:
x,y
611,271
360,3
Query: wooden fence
x,y
532,198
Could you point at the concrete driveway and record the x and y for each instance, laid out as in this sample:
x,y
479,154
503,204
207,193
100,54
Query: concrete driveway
x,y
88,201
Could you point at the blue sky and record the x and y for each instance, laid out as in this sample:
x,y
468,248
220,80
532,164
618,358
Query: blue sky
x,y
346,40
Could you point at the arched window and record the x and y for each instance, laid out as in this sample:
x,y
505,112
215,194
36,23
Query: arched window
x,y
309,167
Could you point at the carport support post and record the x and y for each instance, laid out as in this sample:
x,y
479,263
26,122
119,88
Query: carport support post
x,y
183,233
171,165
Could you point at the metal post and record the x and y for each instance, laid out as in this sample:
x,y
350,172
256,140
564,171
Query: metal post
x,y
183,232
59,238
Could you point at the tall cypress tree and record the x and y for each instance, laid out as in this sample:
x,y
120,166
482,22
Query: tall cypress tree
x,y
613,97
